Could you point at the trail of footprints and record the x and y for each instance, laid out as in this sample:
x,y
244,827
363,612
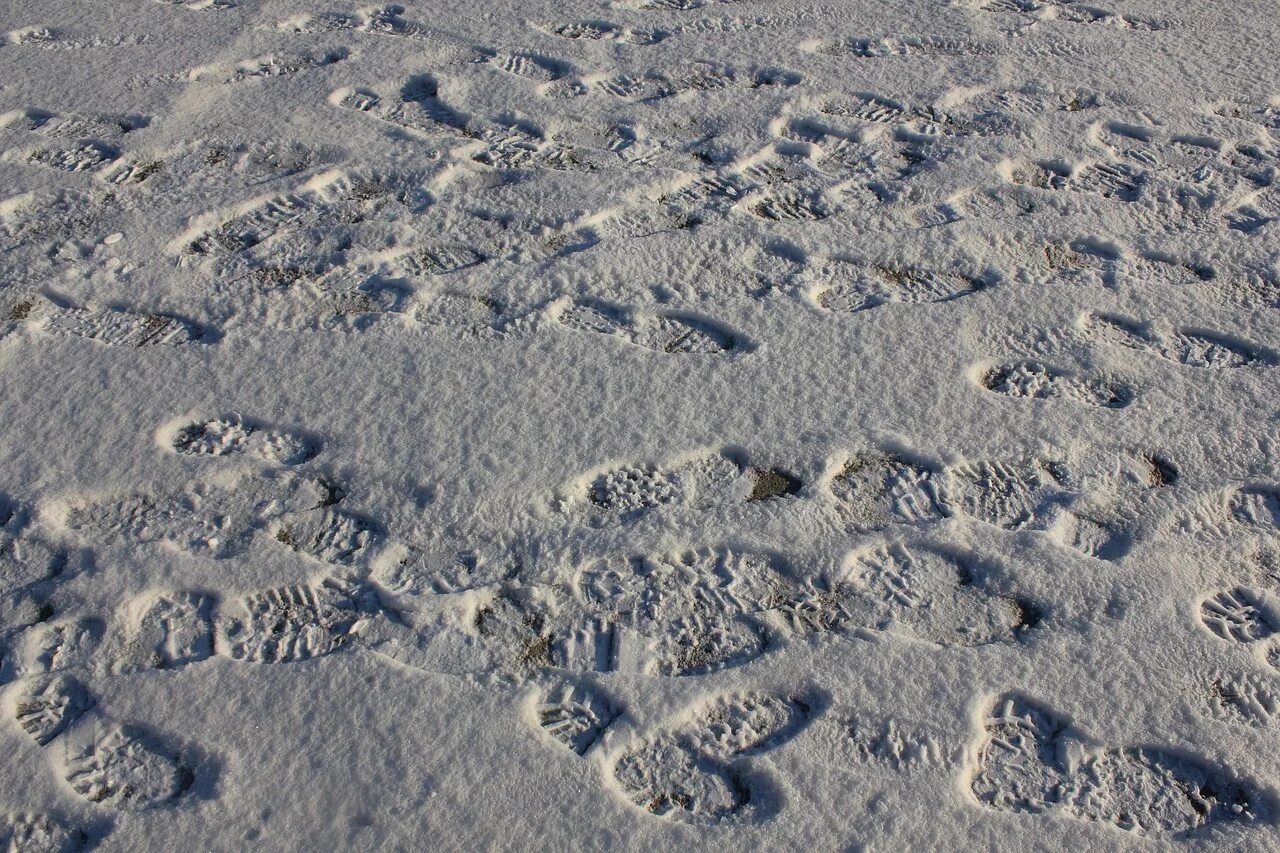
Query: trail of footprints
x,y
771,186
665,614
1031,760
569,630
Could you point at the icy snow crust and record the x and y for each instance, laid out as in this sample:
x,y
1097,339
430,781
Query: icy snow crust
x,y
640,424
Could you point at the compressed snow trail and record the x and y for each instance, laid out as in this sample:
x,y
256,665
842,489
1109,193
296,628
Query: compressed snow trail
x,y
639,424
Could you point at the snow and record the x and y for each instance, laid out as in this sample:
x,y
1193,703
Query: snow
x,y
639,424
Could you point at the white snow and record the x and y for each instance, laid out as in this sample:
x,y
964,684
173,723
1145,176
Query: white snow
x,y
639,424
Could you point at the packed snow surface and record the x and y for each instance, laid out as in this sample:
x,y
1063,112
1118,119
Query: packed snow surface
x,y
639,425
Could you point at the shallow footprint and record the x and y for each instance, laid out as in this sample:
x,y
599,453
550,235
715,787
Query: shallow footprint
x,y
1189,347
123,766
295,623
1024,763
933,596
233,435
575,715
1015,495
38,833
1240,615
47,708
877,490
629,491
665,332
1031,380
121,328
664,778
1149,791
171,629
1020,758
219,518
327,534
855,287
693,770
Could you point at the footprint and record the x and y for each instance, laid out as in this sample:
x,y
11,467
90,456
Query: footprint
x,y
107,763
56,645
1241,615
1029,760
1067,10
1031,380
1096,515
327,534
415,106
877,490
464,313
868,107
666,332
221,163
715,192
1223,515
123,767
887,744
1145,790
605,31
575,715
522,146
679,613
421,573
295,623
266,67
29,568
1256,507
25,832
903,45
219,518
1254,215
78,156
1020,761
171,629
46,708
325,200
640,87
932,596
57,39
1108,179
630,491
790,206
655,84
232,435
702,77
325,22
663,5
856,287
377,20
116,327
1181,346
443,259
695,769
202,5
1017,495
40,220
666,779
1246,698
1101,532
530,66
53,125
747,723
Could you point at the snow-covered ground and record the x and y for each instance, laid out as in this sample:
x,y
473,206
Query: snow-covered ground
x,y
639,424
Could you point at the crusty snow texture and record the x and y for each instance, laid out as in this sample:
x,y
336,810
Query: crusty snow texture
x,y
639,425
